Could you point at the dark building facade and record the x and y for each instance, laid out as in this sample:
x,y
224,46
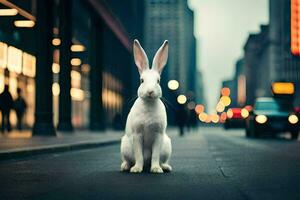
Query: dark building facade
x,y
173,20
286,66
74,62
256,59
269,54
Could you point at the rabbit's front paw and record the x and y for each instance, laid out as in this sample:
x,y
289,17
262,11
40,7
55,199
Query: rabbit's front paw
x,y
125,166
136,169
156,169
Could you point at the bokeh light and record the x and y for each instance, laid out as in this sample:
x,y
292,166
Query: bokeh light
x,y
56,41
214,118
55,68
223,117
202,116
173,85
181,99
8,12
293,119
220,107
225,91
77,48
244,113
75,61
229,113
199,108
225,100
191,105
24,23
55,89
249,107
208,119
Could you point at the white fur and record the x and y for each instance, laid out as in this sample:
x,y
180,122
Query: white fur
x,y
145,143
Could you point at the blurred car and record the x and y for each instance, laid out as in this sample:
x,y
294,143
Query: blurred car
x,y
272,115
236,118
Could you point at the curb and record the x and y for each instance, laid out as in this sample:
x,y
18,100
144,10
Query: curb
x,y
22,153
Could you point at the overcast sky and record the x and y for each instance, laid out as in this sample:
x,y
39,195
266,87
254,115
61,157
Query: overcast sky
x,y
222,28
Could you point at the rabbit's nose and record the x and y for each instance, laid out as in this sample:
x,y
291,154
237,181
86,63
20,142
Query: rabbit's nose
x,y
150,92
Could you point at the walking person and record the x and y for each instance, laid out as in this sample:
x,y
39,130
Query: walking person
x,y
6,103
20,108
181,118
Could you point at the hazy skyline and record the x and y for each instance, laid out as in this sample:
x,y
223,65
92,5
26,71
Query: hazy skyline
x,y
222,28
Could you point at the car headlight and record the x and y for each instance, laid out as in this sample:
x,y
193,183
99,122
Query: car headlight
x,y
261,119
244,113
293,119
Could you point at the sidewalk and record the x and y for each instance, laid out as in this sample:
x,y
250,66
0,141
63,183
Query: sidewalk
x,y
16,144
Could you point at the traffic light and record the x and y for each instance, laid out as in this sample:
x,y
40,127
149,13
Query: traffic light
x,y
295,27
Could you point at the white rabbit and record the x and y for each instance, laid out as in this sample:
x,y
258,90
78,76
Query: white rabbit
x,y
145,143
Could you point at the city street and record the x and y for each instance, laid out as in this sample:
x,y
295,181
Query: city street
x,y
209,163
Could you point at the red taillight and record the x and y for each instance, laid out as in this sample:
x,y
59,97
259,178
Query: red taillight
x,y
236,113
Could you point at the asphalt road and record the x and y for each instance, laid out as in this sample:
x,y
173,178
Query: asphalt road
x,y
208,164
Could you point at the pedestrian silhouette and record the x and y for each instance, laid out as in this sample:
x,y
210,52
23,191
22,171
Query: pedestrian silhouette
x,y
181,118
6,103
191,120
20,108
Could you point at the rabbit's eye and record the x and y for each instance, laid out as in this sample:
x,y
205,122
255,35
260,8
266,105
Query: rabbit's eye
x,y
142,80
158,80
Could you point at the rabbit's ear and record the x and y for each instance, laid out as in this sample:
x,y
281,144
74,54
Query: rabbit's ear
x,y
140,57
161,57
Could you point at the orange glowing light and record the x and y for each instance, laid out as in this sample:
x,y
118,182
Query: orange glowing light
x,y
208,119
56,41
199,108
223,117
283,88
202,116
225,91
295,27
214,118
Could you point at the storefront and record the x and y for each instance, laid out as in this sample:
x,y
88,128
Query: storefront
x,y
112,98
17,70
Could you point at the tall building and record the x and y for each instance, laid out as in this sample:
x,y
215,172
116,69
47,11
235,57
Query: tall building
x,y
271,55
256,63
174,21
284,37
